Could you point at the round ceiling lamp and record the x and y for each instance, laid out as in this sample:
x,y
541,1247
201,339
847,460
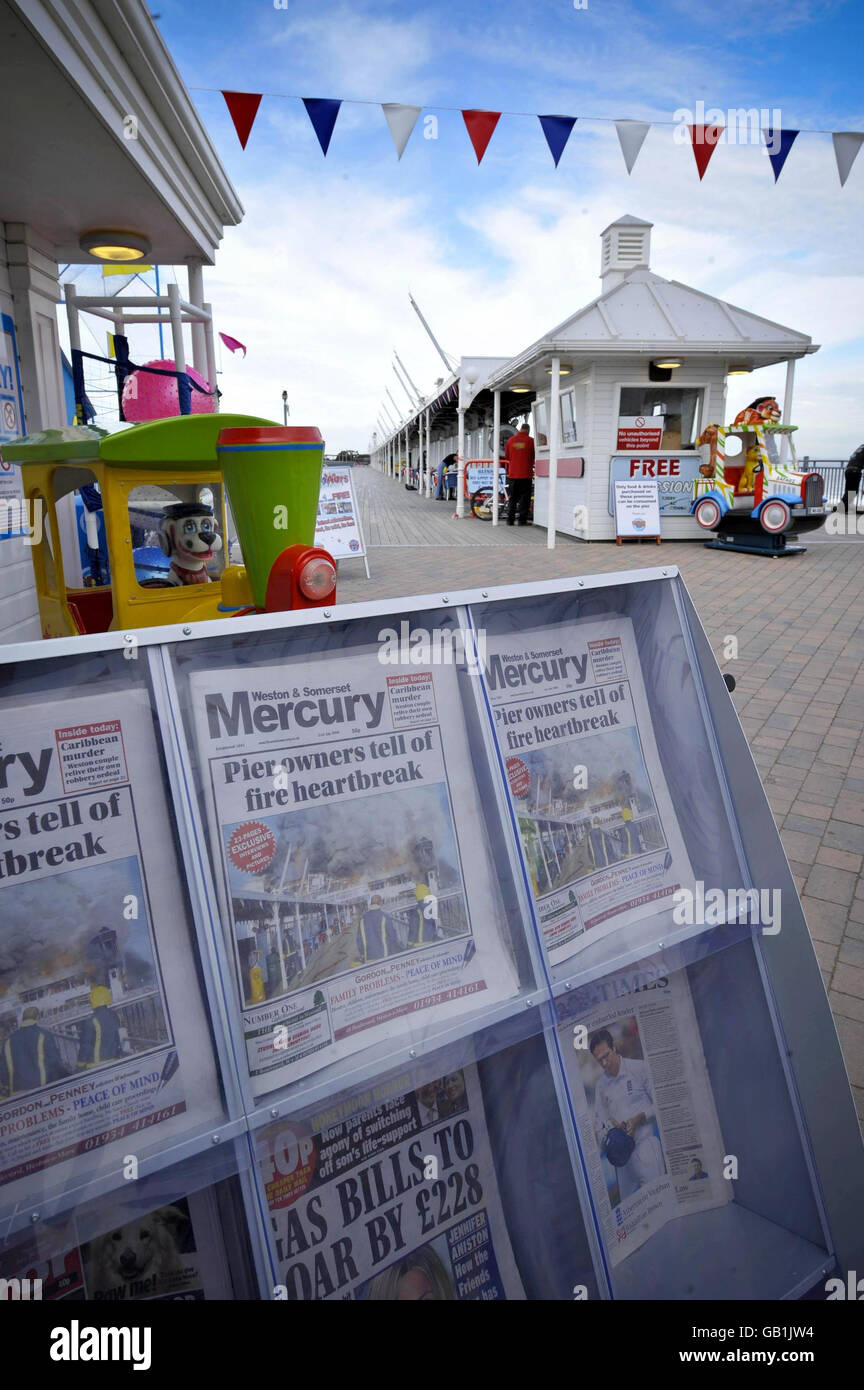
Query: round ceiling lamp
x,y
115,246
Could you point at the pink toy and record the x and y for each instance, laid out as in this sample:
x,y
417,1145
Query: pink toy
x,y
147,397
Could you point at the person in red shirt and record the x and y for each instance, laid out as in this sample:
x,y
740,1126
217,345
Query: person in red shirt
x,y
519,452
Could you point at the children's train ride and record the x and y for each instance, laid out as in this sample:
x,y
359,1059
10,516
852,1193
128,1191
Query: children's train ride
x,y
161,491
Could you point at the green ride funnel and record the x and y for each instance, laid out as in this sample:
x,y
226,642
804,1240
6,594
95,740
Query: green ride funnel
x,y
273,477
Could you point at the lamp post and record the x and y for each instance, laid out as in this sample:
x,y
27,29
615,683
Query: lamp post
x,y
285,411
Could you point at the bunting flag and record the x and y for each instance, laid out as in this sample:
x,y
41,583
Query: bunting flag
x,y
847,143
778,156
631,135
401,120
480,125
557,130
232,344
704,138
242,108
128,268
322,112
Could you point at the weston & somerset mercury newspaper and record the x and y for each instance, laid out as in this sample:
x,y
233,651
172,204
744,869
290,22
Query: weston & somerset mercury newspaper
x,y
103,1035
354,879
599,836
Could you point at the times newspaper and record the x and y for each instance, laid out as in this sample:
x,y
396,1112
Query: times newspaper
x,y
598,831
107,1255
644,1109
394,1201
103,1036
354,877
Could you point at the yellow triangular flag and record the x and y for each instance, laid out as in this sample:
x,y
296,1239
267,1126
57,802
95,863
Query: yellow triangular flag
x,y
129,268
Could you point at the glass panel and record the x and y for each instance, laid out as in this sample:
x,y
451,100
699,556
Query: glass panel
x,y
106,1049
365,879
568,418
600,729
664,1094
540,410
177,536
430,1183
181,1234
680,407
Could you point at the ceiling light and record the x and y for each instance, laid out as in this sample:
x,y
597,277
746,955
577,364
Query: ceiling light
x,y
562,370
521,387
740,369
667,364
115,246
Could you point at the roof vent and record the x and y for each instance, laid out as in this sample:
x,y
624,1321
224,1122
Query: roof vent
x,y
626,245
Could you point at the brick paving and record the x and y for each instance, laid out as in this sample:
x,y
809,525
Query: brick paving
x,y
799,692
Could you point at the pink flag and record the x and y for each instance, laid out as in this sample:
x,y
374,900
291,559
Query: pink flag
x,y
232,344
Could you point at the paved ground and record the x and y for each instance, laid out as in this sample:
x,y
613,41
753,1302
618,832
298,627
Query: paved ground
x,y
799,673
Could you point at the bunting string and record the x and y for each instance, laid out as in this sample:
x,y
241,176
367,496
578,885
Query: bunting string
x,y
480,125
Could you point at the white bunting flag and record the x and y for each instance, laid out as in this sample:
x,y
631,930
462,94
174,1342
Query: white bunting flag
x,y
401,120
847,143
630,137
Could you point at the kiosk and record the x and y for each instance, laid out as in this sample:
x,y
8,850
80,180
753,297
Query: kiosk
x,y
623,388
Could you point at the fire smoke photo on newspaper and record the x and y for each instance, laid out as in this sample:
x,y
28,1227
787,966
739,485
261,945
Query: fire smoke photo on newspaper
x,y
341,891
77,973
569,830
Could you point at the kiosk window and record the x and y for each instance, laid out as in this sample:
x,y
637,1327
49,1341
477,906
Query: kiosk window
x,y
569,431
541,416
680,407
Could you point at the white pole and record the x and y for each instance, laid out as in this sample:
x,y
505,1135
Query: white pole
x,y
787,395
554,424
195,272
176,327
496,431
209,353
460,458
428,479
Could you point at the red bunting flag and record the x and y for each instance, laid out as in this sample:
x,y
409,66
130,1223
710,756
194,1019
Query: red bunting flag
x,y
480,125
704,138
242,108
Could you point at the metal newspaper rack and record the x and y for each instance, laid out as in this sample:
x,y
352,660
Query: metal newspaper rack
x,y
299,1111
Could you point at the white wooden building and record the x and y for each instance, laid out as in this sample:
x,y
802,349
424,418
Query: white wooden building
x,y
602,402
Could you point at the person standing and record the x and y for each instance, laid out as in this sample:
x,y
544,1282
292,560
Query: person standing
x,y
378,934
852,478
624,1099
519,453
99,1037
30,1055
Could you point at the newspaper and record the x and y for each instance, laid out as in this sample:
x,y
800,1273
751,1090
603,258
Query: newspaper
x,y
598,831
644,1111
390,1197
103,1035
354,878
174,1252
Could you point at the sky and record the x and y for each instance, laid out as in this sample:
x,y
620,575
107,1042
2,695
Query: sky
x,y
315,279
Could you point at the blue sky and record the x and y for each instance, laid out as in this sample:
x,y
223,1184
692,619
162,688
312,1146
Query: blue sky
x,y
316,278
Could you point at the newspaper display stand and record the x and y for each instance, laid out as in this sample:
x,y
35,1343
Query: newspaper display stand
x,y
442,1114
